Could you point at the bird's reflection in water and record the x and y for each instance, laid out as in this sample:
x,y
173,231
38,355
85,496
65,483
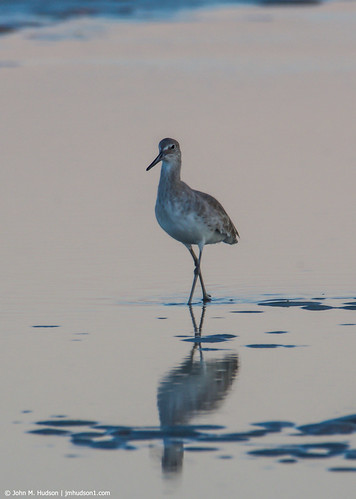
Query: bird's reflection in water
x,y
196,386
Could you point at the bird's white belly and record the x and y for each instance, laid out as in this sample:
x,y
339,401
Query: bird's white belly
x,y
185,226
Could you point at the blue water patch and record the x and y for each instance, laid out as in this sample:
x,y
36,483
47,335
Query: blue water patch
x,y
276,332
269,345
275,426
246,312
305,451
349,307
50,431
286,303
211,338
209,438
317,306
350,454
19,14
339,426
48,326
314,304
342,469
195,448
66,422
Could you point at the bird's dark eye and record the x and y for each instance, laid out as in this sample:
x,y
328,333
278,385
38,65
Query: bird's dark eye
x,y
173,146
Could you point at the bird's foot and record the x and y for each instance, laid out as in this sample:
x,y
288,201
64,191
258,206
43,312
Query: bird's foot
x,y
206,298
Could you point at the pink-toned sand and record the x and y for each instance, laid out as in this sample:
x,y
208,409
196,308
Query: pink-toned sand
x,y
263,104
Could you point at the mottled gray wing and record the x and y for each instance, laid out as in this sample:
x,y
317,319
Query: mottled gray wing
x,y
217,218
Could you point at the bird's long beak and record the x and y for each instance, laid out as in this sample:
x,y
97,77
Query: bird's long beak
x,y
155,161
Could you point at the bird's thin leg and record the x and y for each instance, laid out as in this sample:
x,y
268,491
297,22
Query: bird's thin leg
x,y
197,273
193,286
206,297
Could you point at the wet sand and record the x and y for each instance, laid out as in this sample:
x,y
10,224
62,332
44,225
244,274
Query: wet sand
x,y
262,102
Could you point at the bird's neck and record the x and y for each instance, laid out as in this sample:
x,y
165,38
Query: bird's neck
x,y
170,175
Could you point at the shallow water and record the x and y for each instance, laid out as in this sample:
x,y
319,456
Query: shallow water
x,y
157,389
110,382
20,14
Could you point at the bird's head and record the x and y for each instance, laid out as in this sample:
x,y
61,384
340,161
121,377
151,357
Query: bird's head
x,y
169,150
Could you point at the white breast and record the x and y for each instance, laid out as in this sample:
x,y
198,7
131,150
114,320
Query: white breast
x,y
184,225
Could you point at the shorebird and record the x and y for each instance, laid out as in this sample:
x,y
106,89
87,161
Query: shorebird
x,y
187,215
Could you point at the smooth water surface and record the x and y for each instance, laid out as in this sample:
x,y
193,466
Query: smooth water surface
x,y
109,381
